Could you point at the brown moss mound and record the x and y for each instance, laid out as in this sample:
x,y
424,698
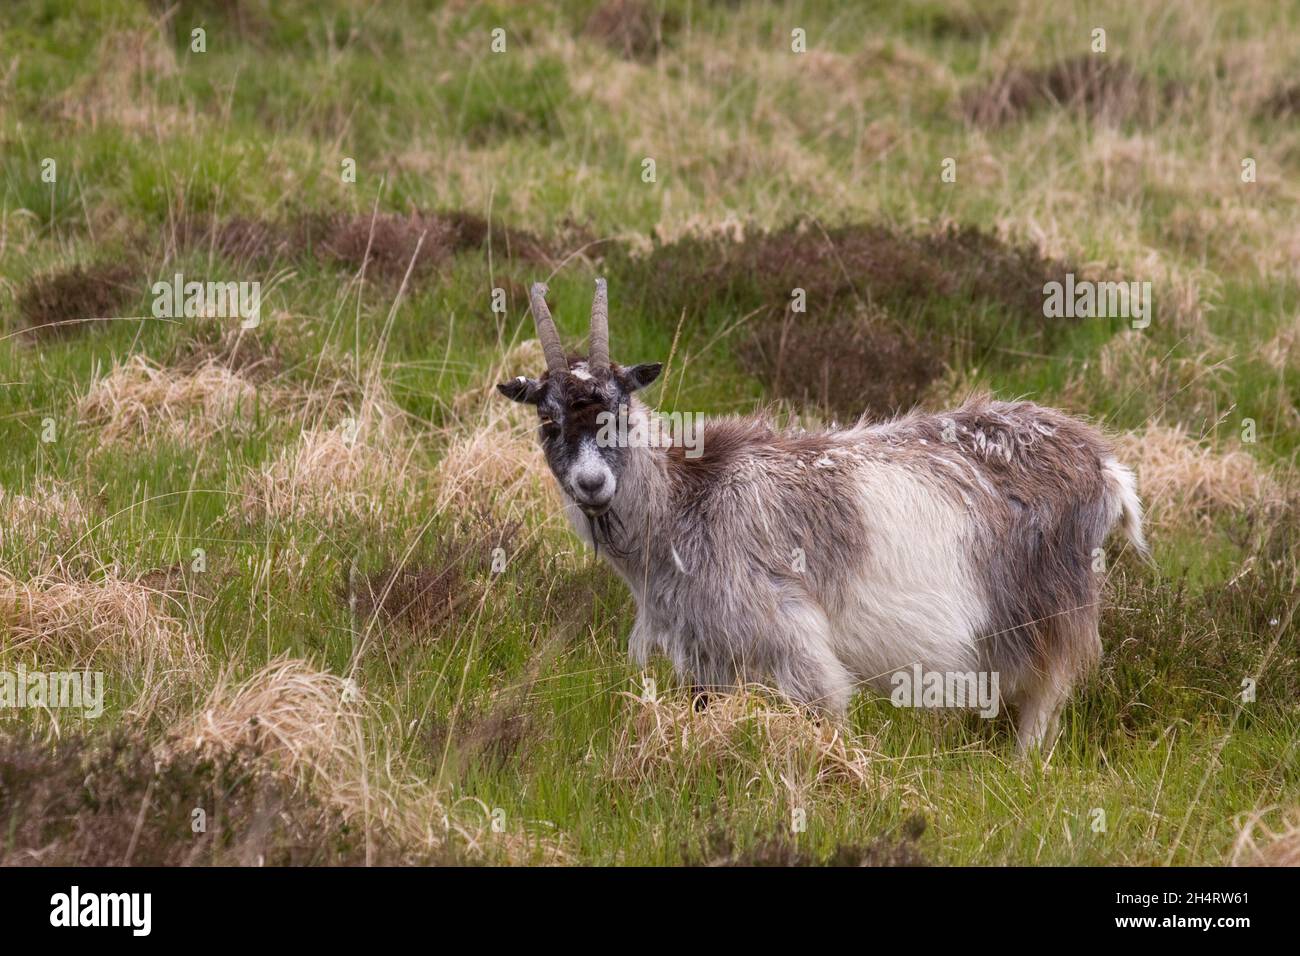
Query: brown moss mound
x,y
242,352
63,303
500,730
419,597
633,29
384,243
390,241
387,245
860,263
244,238
82,803
781,849
1283,103
1096,85
858,363
884,307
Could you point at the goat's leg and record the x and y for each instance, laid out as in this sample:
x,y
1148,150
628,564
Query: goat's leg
x,y
808,672
1038,716
641,642
1073,649
823,686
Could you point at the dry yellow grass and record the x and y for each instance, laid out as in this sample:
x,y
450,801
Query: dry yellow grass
x,y
1187,383
493,460
301,723
315,729
302,720
498,466
140,400
772,738
348,469
1185,482
51,513
1282,351
109,624
482,399
123,90
1259,844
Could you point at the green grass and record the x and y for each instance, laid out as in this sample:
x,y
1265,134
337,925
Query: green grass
x,y
516,700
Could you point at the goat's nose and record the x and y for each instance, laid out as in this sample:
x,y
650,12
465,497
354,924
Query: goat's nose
x,y
591,483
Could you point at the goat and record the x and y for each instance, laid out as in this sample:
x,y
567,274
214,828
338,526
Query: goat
x,y
967,541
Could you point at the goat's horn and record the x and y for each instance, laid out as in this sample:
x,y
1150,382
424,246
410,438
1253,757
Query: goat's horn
x,y
598,357
546,331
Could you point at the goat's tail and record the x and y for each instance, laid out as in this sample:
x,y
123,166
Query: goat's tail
x,y
1123,503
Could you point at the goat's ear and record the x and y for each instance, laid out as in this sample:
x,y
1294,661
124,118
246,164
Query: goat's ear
x,y
639,376
521,389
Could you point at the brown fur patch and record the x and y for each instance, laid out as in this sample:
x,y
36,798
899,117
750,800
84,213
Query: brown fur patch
x,y
728,441
1033,474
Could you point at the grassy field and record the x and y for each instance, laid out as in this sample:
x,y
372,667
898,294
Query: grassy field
x,y
321,564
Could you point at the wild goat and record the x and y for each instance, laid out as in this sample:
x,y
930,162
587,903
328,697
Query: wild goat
x,y
961,542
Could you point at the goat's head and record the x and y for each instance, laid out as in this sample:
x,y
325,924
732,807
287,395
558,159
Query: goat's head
x,y
576,400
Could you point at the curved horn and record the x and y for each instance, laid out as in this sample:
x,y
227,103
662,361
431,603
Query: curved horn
x,y
546,331
598,357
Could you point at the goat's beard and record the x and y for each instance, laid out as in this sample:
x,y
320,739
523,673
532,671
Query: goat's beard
x,y
609,526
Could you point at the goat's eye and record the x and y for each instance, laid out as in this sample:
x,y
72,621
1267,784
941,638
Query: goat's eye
x,y
549,428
